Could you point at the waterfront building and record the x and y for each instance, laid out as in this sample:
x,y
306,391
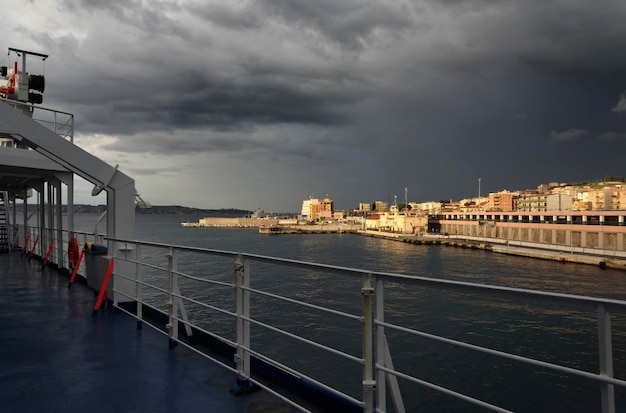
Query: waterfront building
x,y
313,209
403,223
365,206
328,205
381,206
398,222
432,208
569,231
372,222
309,208
579,205
607,199
530,202
503,201
559,202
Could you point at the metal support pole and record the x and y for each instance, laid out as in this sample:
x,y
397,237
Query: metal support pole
x,y
59,225
241,280
369,384
381,390
70,203
139,278
172,303
116,254
606,358
25,231
42,215
383,358
49,226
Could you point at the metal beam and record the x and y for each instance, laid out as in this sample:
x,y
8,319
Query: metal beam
x,y
120,187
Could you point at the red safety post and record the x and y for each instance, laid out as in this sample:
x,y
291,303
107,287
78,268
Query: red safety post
x,y
25,244
32,251
103,289
45,261
80,258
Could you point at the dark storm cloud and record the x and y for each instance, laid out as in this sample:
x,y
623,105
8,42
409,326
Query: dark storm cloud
x,y
620,107
349,22
474,39
148,16
568,135
612,136
431,93
222,106
147,90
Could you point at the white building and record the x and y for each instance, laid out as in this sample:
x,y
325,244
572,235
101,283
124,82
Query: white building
x,y
308,208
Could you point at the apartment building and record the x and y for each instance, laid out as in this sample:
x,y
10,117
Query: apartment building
x,y
314,208
503,201
607,199
533,202
381,206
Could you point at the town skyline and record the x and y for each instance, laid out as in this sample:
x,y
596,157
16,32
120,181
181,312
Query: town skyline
x,y
355,204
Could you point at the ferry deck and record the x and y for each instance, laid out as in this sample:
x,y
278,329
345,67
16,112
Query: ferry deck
x,y
57,356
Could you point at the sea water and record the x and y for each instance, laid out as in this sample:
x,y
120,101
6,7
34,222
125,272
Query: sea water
x,y
548,333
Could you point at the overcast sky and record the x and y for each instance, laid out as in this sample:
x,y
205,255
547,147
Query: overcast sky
x,y
264,103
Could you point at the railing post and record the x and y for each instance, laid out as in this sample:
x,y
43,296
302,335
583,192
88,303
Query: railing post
x,y
139,278
241,275
172,304
381,390
369,384
606,358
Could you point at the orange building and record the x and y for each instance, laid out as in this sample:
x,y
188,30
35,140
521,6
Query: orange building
x,y
503,201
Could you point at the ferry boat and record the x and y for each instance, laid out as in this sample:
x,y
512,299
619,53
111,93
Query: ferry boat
x,y
73,306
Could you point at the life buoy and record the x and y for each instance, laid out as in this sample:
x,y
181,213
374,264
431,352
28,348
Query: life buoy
x,y
72,252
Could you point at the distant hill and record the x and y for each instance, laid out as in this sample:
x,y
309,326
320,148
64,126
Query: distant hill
x,y
182,210
161,209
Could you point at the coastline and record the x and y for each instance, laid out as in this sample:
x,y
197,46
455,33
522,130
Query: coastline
x,y
604,259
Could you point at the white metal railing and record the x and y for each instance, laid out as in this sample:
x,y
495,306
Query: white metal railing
x,y
32,239
59,122
182,283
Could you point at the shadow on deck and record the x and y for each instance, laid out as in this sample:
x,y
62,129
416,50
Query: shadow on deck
x,y
54,356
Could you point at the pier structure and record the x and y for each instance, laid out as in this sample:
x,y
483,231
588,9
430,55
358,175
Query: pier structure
x,y
590,237
232,222
604,230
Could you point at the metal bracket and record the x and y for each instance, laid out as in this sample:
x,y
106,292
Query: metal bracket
x,y
369,385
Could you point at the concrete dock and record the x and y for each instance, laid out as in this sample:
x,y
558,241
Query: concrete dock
x,y
609,259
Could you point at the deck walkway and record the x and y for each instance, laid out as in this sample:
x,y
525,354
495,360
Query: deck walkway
x,y
56,357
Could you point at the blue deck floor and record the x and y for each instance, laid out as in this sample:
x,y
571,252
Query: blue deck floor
x,y
56,357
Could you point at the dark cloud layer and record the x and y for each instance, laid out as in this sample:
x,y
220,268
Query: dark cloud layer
x,y
354,99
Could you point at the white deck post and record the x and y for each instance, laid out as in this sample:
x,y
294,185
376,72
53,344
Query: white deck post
x,y
381,390
369,383
606,358
241,282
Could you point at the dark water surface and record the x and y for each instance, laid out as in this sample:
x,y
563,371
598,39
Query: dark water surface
x,y
550,333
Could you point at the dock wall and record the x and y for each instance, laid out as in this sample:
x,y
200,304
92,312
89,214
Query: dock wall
x,y
232,222
607,238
